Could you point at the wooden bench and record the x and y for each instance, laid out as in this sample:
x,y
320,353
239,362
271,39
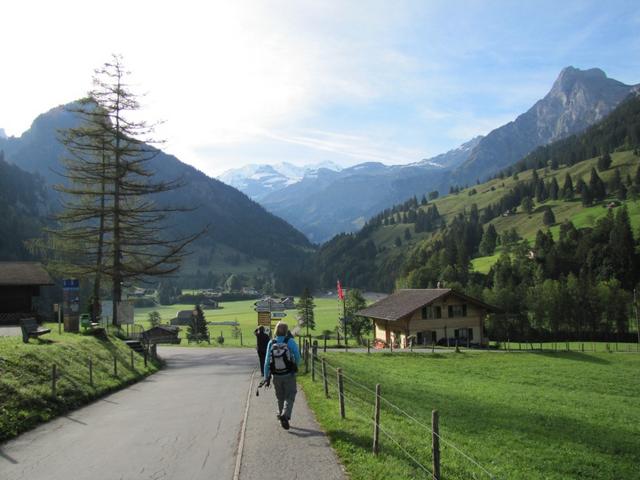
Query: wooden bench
x,y
30,328
87,323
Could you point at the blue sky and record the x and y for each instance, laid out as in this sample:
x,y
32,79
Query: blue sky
x,y
306,81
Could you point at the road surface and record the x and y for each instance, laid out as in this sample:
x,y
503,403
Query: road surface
x,y
181,423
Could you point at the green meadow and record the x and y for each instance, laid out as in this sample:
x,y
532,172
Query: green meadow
x,y
327,313
564,415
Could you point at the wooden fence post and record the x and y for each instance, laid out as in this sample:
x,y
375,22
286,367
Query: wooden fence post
x,y
325,344
376,423
306,356
90,372
368,346
324,379
115,366
240,337
411,345
433,347
435,444
314,352
341,392
132,364
146,353
54,379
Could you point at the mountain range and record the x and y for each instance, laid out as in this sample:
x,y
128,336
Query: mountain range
x,y
257,181
240,230
326,202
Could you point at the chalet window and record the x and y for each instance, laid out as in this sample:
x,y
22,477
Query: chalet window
x,y
430,312
457,311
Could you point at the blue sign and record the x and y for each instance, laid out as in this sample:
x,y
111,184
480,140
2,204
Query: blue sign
x,y
71,284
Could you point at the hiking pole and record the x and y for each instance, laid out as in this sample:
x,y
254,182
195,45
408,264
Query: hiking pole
x,y
263,383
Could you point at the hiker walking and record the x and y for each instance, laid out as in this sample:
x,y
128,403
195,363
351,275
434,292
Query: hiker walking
x,y
282,361
262,341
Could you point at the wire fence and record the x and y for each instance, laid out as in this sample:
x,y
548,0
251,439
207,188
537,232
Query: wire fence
x,y
361,400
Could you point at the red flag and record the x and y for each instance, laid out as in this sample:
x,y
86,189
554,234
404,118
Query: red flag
x,y
340,292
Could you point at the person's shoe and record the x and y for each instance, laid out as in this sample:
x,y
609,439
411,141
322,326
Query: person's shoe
x,y
284,421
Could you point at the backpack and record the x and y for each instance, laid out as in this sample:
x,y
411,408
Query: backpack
x,y
281,359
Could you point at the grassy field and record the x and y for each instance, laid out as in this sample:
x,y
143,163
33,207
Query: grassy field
x,y
326,315
25,376
519,415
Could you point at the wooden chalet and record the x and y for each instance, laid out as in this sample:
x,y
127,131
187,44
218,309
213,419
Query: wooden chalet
x,y
19,283
438,315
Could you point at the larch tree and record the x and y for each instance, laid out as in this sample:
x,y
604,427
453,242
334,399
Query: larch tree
x,y
111,189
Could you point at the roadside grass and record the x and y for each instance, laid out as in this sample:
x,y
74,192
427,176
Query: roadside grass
x,y
565,415
26,369
327,312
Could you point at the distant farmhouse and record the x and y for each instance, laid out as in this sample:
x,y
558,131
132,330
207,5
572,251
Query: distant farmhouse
x,y
19,283
288,302
439,315
183,318
209,303
162,334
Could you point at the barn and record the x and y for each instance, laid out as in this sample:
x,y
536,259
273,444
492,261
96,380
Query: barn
x,y
19,283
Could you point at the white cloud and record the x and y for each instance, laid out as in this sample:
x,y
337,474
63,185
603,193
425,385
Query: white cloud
x,y
251,82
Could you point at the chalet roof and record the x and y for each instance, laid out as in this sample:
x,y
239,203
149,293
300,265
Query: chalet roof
x,y
173,329
406,301
23,274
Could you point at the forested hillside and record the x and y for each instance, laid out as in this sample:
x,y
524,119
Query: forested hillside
x,y
23,209
524,240
241,237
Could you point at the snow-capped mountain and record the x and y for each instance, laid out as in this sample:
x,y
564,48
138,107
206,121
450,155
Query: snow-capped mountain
x,y
257,181
2,133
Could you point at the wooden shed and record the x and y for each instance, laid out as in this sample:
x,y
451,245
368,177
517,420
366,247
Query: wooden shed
x,y
19,283
433,315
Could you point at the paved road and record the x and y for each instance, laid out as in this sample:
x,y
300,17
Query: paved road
x,y
181,423
301,453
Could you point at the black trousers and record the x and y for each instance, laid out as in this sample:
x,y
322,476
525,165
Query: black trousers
x,y
261,356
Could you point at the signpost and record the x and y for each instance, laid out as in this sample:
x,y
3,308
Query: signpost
x,y
71,304
268,311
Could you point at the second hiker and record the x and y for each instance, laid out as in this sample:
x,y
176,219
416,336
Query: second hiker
x,y
282,361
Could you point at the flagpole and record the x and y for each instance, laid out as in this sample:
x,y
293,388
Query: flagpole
x,y
344,321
